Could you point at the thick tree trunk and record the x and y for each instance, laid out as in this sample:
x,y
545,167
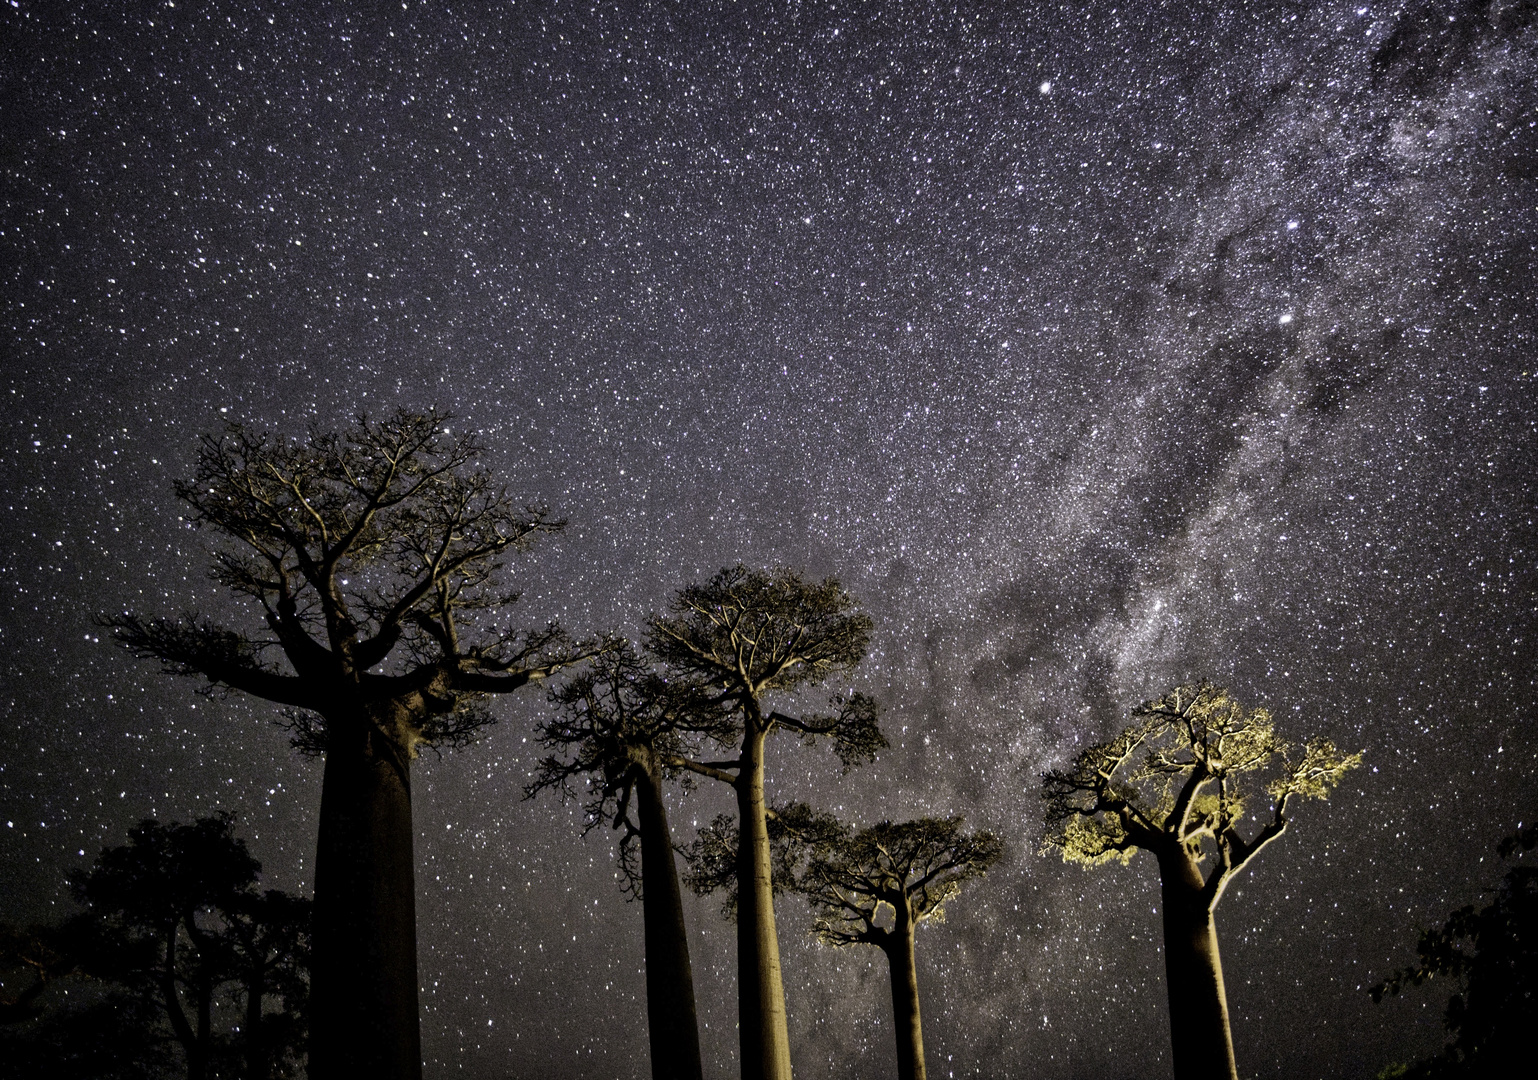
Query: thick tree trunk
x,y
670,1013
1201,1042
764,1038
905,1000
363,1020
256,1045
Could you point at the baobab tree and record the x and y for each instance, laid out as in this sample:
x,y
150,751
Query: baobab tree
x,y
911,869
746,637
1179,783
372,559
620,724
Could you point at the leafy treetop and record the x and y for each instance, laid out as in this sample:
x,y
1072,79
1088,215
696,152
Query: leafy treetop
x,y
1182,778
364,552
619,718
746,633
1490,955
910,868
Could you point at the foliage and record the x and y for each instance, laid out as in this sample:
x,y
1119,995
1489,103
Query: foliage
x,y
371,555
849,877
1492,955
751,631
1183,776
31,961
115,1037
910,869
746,633
619,718
797,834
176,919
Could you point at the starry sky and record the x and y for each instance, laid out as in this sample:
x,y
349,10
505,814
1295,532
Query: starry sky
x,y
1094,351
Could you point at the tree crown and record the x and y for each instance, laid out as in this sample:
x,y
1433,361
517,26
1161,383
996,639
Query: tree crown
x,y
365,552
1491,955
1182,776
915,865
617,718
749,631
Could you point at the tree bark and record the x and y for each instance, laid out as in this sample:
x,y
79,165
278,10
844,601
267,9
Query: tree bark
x,y
1202,1044
764,1038
364,966
905,999
672,1023
256,1046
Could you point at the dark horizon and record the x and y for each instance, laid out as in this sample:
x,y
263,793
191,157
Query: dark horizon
x,y
1093,353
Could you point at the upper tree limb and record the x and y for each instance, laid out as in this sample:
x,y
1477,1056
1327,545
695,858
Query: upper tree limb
x,y
855,729
1092,814
1311,776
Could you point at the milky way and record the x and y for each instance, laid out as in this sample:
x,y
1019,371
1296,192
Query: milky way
x,y
1093,352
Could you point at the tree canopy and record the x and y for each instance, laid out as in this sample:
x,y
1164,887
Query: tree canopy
x,y
372,555
617,719
917,865
1490,955
1186,774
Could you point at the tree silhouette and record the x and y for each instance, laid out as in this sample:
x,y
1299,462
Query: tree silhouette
x,y
1178,783
741,637
372,559
1492,955
269,935
911,869
179,919
116,1036
620,724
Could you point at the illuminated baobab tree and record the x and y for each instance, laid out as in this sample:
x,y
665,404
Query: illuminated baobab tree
x,y
1179,783
371,561
745,638
620,724
912,870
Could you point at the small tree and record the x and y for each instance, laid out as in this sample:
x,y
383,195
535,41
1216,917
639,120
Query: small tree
x,y
183,921
269,935
1179,784
1491,954
372,560
744,637
912,870
620,724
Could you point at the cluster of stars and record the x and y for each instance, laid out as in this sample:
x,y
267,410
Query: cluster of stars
x,y
1093,350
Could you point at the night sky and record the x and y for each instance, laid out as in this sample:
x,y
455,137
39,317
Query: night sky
x,y
1093,352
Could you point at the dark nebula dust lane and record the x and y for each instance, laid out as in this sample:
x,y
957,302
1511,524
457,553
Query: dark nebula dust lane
x,y
1093,351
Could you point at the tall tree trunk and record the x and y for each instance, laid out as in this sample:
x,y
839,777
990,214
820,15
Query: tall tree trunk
x,y
180,1026
670,1014
363,1020
1202,1044
205,992
256,1044
905,999
765,1041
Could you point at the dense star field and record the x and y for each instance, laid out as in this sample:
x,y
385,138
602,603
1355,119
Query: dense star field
x,y
1094,352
